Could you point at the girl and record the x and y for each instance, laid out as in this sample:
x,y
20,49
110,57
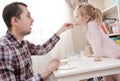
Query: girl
x,y
89,17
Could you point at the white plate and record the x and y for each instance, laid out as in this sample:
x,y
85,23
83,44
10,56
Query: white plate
x,y
63,61
66,67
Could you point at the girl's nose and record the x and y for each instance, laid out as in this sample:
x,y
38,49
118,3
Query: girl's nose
x,y
76,23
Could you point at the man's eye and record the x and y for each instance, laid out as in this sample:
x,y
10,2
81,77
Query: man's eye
x,y
28,16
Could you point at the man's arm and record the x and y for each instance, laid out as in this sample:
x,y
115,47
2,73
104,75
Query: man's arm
x,y
48,45
6,75
50,68
6,69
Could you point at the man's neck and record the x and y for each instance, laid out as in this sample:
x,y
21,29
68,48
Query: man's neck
x,y
17,35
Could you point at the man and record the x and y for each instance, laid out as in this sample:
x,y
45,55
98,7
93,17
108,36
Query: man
x,y
15,53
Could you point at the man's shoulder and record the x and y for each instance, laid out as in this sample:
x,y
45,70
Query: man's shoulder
x,y
3,41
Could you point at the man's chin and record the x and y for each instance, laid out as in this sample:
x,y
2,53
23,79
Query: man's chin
x,y
28,33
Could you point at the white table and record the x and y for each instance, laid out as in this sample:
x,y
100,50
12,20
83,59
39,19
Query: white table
x,y
86,68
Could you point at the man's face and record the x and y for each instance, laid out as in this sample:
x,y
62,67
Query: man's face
x,y
24,22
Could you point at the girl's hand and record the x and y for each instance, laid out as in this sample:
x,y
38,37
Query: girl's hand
x,y
97,59
118,57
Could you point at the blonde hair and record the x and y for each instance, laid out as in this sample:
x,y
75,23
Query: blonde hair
x,y
90,10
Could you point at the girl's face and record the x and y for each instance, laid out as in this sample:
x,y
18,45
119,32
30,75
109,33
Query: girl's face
x,y
81,19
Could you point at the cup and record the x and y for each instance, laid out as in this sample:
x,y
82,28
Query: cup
x,y
82,53
88,51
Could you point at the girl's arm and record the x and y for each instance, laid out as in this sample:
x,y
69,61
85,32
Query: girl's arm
x,y
95,40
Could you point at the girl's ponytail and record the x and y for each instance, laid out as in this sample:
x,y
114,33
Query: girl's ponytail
x,y
98,16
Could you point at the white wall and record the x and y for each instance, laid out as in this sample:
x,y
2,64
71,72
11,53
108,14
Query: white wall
x,y
96,3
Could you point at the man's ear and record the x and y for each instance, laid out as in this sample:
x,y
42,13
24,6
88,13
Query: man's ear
x,y
14,21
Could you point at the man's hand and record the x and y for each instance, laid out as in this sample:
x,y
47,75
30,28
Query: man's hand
x,y
52,66
64,28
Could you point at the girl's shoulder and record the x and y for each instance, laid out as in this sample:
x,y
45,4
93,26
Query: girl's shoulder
x,y
92,22
92,25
